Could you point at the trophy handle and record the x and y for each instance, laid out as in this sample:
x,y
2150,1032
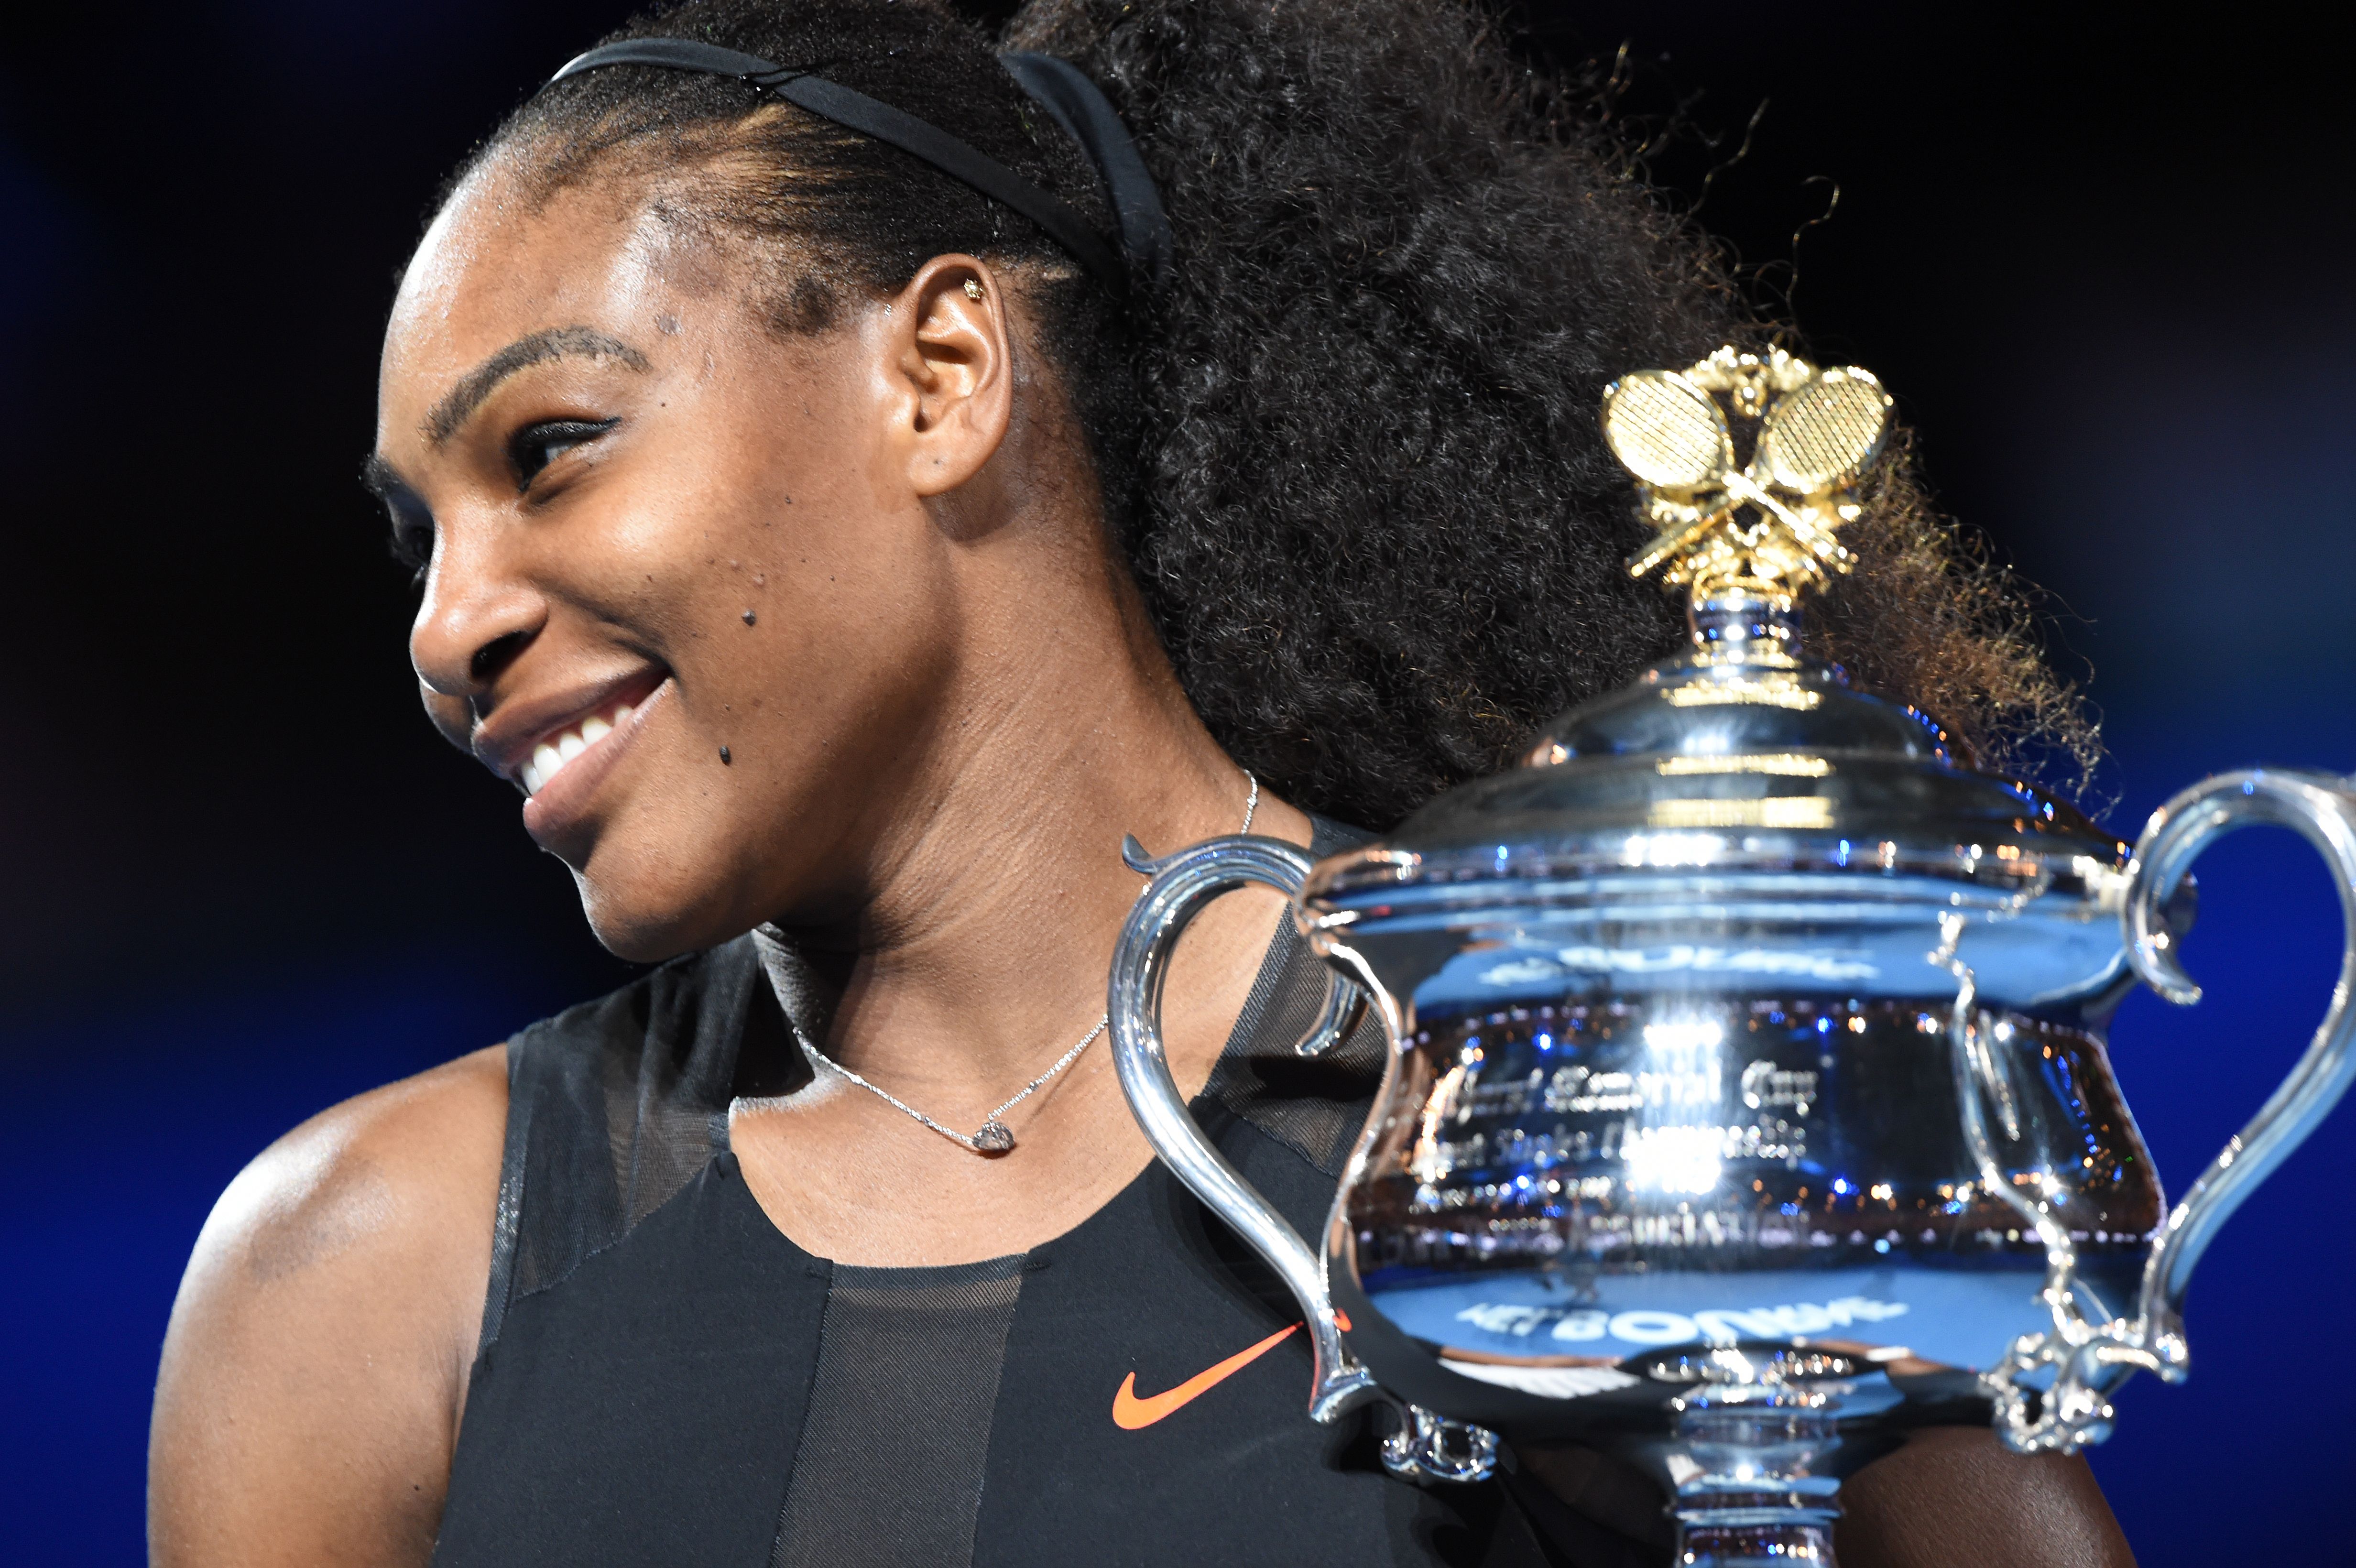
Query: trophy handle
x,y
2321,809
1182,885
2086,1357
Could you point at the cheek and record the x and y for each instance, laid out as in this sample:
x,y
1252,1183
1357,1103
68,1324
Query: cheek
x,y
774,585
769,503
777,515
822,704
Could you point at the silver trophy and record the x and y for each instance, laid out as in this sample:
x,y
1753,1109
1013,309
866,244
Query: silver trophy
x,y
1748,1099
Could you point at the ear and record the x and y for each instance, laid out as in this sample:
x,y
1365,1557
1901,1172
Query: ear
x,y
947,348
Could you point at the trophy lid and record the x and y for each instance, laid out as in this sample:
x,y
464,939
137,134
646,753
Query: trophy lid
x,y
1737,763
1740,764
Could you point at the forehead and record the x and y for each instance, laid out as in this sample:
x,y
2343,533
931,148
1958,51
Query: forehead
x,y
495,265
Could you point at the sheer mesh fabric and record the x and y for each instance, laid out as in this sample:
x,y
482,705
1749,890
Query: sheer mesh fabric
x,y
1312,1105
656,1140
889,1469
613,1106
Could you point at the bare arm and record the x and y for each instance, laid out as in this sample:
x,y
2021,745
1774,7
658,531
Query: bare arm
x,y
315,1364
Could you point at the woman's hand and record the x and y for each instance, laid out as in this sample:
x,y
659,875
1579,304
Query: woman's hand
x,y
1954,1496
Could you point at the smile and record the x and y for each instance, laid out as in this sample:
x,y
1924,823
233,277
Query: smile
x,y
558,752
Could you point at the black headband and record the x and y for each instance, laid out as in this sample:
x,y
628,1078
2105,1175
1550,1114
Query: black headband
x,y
1058,87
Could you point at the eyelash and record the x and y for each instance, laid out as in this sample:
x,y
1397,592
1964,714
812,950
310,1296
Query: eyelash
x,y
547,441
413,538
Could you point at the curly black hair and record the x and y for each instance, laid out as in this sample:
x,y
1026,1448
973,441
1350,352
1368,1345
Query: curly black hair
x,y
1350,446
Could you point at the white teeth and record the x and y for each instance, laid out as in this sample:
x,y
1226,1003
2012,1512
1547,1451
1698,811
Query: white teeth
x,y
550,757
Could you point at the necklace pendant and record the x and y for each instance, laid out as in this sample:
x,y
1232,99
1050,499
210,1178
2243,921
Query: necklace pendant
x,y
994,1138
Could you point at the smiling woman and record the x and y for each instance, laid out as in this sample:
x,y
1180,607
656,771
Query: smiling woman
x,y
845,505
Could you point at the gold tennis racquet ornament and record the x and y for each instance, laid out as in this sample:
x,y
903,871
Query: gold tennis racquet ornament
x,y
1768,526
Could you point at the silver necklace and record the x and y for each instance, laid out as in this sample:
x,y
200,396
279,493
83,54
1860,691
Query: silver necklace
x,y
993,1136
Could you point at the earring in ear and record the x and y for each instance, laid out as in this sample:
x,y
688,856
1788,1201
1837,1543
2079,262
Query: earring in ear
x,y
972,290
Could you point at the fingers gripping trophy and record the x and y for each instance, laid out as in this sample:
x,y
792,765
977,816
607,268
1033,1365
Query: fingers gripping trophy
x,y
1748,1098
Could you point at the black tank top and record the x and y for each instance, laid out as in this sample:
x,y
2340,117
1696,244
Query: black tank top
x,y
665,1377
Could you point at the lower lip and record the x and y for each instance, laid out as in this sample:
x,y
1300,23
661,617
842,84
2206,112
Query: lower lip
x,y
563,803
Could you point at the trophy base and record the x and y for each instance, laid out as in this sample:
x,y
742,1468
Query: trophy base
x,y
1750,1442
1749,1464
1777,1544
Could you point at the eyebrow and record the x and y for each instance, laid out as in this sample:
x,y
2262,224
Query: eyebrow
x,y
552,343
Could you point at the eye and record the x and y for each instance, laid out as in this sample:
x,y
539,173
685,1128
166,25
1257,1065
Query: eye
x,y
535,447
412,533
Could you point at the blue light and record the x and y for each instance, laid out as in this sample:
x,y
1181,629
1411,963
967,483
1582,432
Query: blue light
x,y
1545,1042
1824,1025
1840,1184
1840,856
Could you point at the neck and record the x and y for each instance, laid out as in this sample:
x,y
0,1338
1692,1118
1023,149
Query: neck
x,y
995,889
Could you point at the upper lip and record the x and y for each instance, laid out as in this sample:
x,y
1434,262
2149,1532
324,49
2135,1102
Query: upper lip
x,y
504,742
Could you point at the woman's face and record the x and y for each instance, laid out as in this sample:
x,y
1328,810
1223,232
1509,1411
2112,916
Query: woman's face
x,y
684,570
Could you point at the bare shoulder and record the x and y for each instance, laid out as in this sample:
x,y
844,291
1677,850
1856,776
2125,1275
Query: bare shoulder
x,y
316,1359
383,1171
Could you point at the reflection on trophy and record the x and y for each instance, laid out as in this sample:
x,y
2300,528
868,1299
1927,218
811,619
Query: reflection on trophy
x,y
1749,1099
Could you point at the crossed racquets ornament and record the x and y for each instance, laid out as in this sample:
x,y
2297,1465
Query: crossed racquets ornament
x,y
1768,524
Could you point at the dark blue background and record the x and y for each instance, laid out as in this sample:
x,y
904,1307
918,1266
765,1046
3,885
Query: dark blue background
x,y
2103,266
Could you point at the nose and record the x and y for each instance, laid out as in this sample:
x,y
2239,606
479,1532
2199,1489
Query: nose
x,y
477,616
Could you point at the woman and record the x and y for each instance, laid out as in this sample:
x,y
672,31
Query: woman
x,y
833,553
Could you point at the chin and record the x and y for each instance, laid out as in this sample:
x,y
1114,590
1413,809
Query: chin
x,y
646,920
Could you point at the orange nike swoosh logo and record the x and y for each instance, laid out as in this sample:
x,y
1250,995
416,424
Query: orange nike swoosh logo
x,y
1130,1412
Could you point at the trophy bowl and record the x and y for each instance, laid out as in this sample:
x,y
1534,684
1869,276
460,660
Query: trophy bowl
x,y
1748,1099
